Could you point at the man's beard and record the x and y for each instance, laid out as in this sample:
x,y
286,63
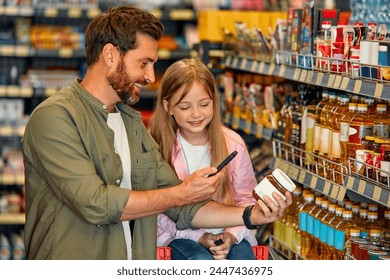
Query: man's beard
x,y
122,84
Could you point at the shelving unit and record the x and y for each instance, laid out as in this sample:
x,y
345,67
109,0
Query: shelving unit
x,y
363,188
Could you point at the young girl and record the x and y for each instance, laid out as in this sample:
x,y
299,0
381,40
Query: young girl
x,y
187,125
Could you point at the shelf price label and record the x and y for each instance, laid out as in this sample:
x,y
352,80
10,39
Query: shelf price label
x,y
228,61
164,54
51,12
93,12
320,77
344,83
244,63
303,75
261,67
235,123
309,77
378,90
282,70
331,80
65,52
74,12
235,62
302,175
358,86
293,172
248,127
259,131
337,82
271,69
181,14
297,73
255,65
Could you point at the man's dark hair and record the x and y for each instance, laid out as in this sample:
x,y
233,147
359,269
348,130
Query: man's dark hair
x,y
119,26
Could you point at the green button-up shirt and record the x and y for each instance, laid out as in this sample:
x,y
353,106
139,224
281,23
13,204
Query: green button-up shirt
x,y
72,181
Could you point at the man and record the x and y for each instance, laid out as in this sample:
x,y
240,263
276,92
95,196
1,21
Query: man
x,y
95,179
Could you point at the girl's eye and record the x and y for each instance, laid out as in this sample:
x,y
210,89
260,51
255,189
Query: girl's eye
x,y
183,108
205,104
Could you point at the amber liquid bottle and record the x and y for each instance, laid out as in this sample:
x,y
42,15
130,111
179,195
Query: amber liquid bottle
x,y
381,121
303,214
311,229
331,253
360,126
324,228
339,111
344,134
326,121
343,234
316,252
317,125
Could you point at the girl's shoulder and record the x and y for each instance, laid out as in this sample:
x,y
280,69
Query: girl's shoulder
x,y
233,139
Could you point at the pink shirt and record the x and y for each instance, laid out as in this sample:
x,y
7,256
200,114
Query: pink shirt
x,y
243,181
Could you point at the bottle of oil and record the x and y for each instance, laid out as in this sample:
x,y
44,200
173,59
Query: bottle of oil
x,y
331,252
324,242
344,133
371,106
310,225
326,121
317,124
316,252
355,211
360,126
387,225
381,121
339,111
342,234
371,225
303,214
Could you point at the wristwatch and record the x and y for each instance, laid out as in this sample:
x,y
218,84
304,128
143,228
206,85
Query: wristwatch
x,y
246,216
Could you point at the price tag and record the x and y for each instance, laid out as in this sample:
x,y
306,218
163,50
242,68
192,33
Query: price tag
x,y
7,50
13,91
362,186
236,123
235,62
181,14
331,80
337,82
334,191
25,11
50,91
22,51
51,12
157,13
74,13
244,63
302,175
65,52
378,90
313,182
3,90
261,67
271,69
377,193
8,179
297,72
93,12
293,172
228,61
26,92
255,65
282,70
277,163
344,83
164,54
320,77
248,126
350,181
302,78
358,86
341,193
259,131
309,77
327,187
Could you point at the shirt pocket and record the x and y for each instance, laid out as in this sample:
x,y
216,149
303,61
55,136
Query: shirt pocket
x,y
149,170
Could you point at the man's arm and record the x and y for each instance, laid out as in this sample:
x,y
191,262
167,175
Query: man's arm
x,y
195,188
214,214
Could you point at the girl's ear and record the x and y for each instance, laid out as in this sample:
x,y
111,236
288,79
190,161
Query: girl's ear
x,y
166,107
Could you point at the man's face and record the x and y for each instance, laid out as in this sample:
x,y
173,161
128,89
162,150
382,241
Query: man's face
x,y
135,70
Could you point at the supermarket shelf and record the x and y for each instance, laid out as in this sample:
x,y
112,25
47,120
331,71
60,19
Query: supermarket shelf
x,y
368,87
12,219
337,181
248,127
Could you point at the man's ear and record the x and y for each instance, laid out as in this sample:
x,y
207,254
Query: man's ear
x,y
108,53
166,107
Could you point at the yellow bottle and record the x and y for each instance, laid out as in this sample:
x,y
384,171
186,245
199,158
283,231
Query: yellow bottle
x,y
343,234
311,228
331,254
303,214
324,228
316,252
344,134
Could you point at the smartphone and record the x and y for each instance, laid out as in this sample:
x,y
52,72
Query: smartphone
x,y
225,162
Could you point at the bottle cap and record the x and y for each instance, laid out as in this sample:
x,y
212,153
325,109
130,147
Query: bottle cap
x,y
283,179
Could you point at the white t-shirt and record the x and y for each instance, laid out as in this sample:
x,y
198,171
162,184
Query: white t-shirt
x,y
121,145
196,157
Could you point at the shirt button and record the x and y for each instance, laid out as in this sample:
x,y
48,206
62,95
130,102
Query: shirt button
x,y
104,107
118,181
116,151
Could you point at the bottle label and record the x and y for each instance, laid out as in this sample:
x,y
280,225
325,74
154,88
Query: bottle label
x,y
344,132
336,147
323,232
303,221
316,228
324,143
381,130
317,137
310,224
339,239
358,132
330,240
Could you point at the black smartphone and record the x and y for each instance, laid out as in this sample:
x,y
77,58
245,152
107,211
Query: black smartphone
x,y
225,162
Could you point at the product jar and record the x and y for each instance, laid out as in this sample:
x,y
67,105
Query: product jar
x,y
277,182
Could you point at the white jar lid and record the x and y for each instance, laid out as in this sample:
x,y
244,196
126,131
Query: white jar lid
x,y
283,179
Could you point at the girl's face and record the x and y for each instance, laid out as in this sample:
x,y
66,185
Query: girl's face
x,y
193,113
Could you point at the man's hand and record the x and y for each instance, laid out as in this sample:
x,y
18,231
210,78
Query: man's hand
x,y
198,187
269,212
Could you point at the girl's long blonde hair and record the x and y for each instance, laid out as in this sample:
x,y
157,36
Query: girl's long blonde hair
x,y
163,127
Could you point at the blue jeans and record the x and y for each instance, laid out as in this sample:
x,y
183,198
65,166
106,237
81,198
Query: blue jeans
x,y
185,249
